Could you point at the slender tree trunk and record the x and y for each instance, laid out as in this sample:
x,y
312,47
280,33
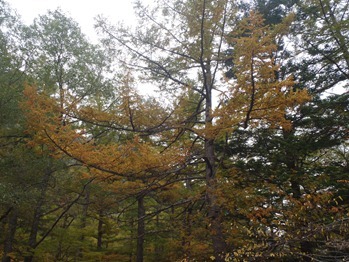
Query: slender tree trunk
x,y
187,226
132,237
159,250
10,236
37,216
140,229
83,224
85,206
6,213
214,210
100,230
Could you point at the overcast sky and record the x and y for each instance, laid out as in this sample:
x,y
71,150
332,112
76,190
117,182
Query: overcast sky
x,y
82,11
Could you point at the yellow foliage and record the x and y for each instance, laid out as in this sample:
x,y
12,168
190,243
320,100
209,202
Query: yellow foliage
x,y
134,159
258,95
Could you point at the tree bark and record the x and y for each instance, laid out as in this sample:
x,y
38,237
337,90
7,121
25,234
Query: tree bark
x,y
100,230
85,206
214,210
6,214
37,216
10,236
187,225
140,229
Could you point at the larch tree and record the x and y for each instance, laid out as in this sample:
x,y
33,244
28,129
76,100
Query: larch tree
x,y
181,45
118,149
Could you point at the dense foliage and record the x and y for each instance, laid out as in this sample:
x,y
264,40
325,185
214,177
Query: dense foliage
x,y
240,154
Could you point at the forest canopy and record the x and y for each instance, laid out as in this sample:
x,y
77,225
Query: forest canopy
x,y
238,153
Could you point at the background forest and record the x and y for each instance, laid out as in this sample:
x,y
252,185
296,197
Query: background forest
x,y
240,153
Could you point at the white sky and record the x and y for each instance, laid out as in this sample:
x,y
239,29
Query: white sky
x,y
82,11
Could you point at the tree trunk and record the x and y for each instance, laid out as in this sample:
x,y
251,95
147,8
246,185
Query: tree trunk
x,y
83,224
100,230
8,211
132,238
214,211
10,236
85,206
140,229
187,225
32,242
158,248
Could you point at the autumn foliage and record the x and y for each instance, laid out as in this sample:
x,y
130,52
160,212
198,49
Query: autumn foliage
x,y
236,157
